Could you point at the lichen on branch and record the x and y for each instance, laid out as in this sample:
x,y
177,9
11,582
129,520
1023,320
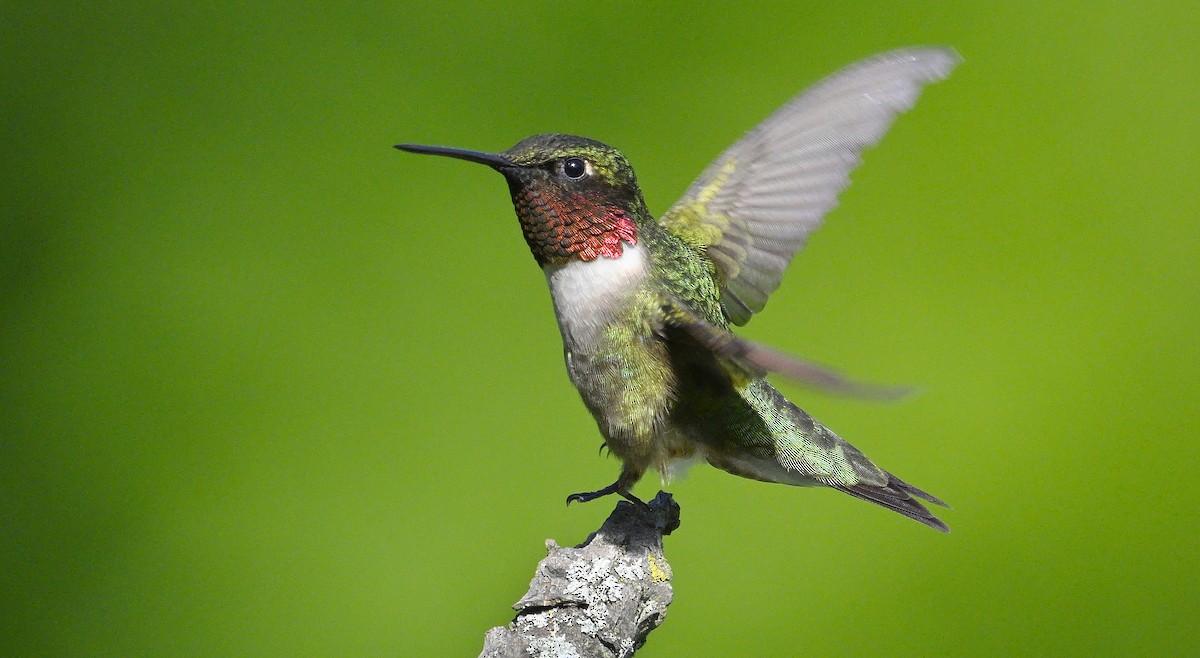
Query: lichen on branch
x,y
601,598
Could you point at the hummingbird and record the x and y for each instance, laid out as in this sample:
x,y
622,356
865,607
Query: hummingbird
x,y
645,306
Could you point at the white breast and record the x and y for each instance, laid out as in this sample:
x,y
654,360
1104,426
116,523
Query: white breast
x,y
588,293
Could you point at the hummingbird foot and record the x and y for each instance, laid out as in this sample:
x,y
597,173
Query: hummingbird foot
x,y
614,488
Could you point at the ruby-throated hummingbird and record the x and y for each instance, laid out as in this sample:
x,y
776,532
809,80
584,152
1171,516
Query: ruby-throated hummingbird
x,y
644,306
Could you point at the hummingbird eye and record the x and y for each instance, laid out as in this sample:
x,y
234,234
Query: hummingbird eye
x,y
575,168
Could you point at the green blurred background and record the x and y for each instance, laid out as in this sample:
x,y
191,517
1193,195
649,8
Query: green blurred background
x,y
270,388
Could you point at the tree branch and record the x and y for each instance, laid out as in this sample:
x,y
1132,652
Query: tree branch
x,y
601,598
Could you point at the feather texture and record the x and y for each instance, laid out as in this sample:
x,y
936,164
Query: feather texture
x,y
752,209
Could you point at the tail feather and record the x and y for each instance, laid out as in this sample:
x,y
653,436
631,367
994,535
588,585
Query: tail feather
x,y
898,497
923,495
755,432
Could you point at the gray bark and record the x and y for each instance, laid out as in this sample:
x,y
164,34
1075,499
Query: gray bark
x,y
601,598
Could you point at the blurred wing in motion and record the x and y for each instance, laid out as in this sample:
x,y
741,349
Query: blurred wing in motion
x,y
751,210
756,360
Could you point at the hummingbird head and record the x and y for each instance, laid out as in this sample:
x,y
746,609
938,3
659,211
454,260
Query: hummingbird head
x,y
574,197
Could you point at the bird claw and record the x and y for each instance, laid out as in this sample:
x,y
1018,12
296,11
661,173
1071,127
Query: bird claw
x,y
613,488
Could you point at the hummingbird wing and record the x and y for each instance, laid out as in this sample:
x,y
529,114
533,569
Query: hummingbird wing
x,y
751,210
756,360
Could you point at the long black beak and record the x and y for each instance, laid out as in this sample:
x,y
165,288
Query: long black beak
x,y
492,160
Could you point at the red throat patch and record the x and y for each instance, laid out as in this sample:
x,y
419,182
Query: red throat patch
x,y
558,228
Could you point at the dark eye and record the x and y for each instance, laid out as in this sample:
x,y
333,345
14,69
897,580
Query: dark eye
x,y
574,168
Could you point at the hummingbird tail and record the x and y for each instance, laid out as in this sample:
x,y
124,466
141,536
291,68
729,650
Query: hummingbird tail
x,y
898,496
